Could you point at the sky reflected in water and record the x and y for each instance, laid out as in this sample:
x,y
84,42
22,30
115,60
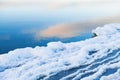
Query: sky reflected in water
x,y
30,23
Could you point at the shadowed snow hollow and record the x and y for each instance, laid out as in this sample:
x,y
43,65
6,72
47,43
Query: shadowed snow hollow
x,y
97,58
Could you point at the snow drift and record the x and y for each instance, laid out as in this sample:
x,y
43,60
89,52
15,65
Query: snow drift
x,y
97,58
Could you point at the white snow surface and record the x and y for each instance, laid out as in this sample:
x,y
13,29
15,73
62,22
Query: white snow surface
x,y
96,58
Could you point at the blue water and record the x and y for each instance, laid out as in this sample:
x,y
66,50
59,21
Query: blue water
x,y
14,20
12,36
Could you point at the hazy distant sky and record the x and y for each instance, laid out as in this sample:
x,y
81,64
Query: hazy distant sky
x,y
59,3
47,8
64,13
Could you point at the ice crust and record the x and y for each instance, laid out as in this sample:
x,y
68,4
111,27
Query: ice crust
x,y
96,58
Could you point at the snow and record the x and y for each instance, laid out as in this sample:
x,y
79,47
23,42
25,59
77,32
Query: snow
x,y
96,58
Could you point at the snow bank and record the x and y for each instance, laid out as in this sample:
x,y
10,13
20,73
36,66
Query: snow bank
x,y
97,58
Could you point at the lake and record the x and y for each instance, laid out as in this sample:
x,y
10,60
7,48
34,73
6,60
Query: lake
x,y
30,24
14,35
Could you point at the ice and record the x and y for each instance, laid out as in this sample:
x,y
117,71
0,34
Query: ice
x,y
96,58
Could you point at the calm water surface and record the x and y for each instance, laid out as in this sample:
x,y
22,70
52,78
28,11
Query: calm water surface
x,y
18,23
13,35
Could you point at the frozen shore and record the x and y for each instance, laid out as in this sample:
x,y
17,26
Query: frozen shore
x,y
96,58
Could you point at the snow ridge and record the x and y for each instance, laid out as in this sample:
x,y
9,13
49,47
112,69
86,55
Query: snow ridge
x,y
97,58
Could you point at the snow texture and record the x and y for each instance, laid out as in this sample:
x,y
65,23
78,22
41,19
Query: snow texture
x,y
96,58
